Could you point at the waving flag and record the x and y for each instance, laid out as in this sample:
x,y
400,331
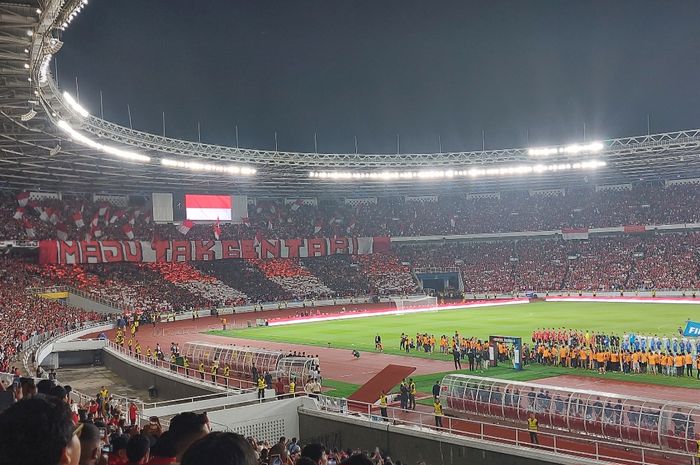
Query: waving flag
x,y
78,220
217,230
62,231
29,229
19,213
22,198
185,227
128,231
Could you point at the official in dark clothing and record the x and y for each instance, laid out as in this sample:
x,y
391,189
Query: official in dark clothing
x,y
457,357
436,390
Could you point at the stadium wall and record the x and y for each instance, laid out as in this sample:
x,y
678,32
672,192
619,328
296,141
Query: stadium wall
x,y
89,304
413,445
169,387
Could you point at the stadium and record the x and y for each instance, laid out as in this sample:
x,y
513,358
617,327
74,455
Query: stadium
x,y
169,300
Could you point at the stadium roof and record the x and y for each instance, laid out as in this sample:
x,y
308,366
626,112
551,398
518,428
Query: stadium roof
x,y
87,153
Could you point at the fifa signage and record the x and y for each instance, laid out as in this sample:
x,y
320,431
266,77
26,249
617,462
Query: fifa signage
x,y
692,329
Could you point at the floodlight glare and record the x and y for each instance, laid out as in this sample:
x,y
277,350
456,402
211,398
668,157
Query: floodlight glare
x,y
75,105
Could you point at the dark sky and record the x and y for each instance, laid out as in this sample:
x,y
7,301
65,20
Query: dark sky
x,y
377,68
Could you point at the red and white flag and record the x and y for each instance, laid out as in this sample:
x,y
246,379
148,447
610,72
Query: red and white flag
x,y
185,227
19,213
78,219
128,231
54,217
116,216
62,232
258,238
103,209
132,218
29,229
95,220
45,213
217,230
97,232
22,198
318,227
297,203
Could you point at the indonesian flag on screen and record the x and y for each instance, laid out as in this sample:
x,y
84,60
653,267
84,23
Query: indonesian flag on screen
x,y
19,213
185,227
22,199
61,232
208,207
128,231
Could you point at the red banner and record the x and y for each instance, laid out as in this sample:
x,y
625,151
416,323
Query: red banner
x,y
75,252
634,228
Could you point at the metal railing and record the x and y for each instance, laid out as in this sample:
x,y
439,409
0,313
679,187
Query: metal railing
x,y
615,452
234,385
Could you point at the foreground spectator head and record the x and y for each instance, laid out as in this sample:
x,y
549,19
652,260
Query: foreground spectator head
x,y
45,386
118,454
90,444
137,449
358,459
315,452
38,432
186,428
220,449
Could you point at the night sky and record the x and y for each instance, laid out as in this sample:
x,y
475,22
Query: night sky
x,y
374,68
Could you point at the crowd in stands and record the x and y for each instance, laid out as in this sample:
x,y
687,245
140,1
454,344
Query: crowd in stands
x,y
137,287
660,261
44,425
294,278
78,217
340,273
386,274
23,315
189,278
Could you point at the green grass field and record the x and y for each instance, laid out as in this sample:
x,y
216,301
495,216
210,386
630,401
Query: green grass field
x,y
513,320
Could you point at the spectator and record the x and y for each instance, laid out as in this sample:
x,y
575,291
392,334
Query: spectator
x,y
315,452
185,429
138,449
38,432
220,449
90,445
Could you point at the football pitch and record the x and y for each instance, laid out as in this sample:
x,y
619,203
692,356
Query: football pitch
x,y
509,320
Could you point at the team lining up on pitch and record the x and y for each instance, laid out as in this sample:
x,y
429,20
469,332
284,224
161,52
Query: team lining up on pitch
x,y
631,353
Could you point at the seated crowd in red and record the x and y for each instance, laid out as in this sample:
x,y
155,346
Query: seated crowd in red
x,y
77,217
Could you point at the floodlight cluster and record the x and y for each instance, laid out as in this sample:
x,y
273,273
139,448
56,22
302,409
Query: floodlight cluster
x,y
71,16
75,105
44,69
446,174
197,166
84,140
574,149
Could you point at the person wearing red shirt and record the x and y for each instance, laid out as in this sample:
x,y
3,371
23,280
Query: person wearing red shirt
x,y
133,413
